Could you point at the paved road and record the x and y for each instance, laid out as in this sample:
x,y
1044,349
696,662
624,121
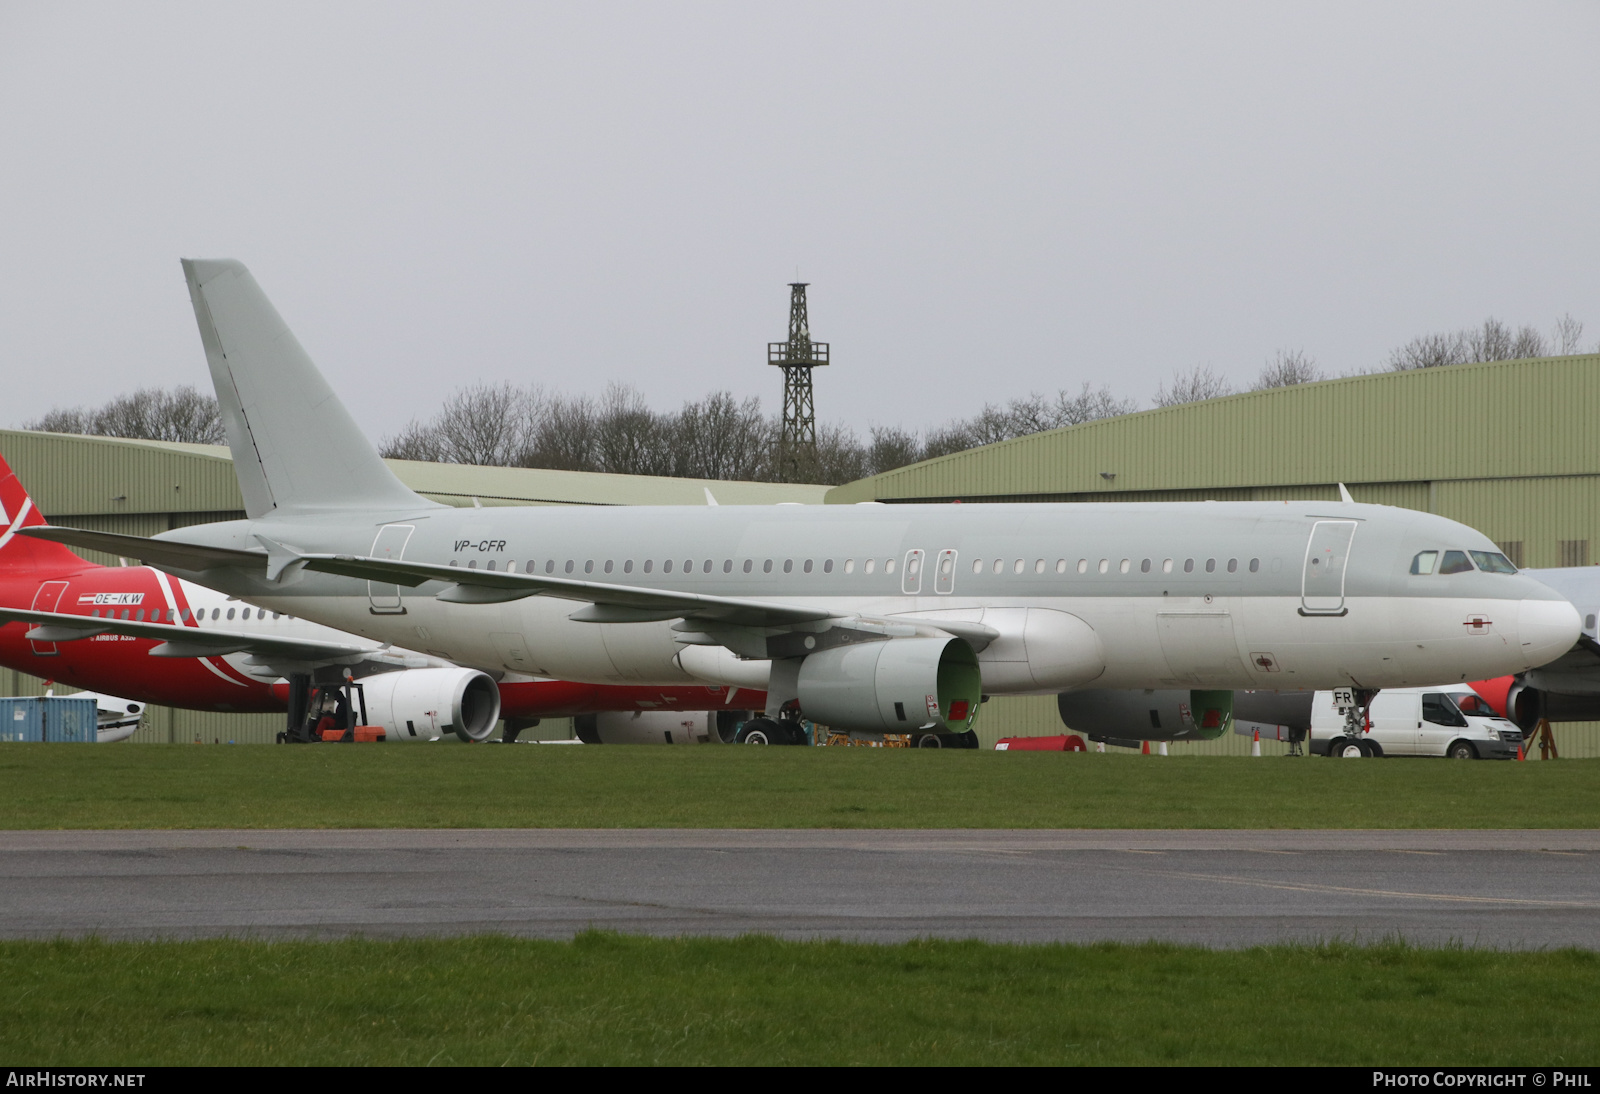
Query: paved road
x,y
1502,889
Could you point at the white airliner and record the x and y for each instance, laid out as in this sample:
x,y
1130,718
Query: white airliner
x,y
870,617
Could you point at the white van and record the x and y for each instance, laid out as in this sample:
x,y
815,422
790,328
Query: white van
x,y
1450,720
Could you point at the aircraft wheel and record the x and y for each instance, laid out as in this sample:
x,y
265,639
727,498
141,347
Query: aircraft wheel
x,y
930,740
1370,749
1462,750
759,731
969,739
1350,750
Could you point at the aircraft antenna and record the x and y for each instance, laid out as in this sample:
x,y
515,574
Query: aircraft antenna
x,y
797,443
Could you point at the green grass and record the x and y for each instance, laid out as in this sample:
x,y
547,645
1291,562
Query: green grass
x,y
605,998
453,786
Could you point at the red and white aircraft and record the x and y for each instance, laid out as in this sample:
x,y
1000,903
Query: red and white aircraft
x,y
136,632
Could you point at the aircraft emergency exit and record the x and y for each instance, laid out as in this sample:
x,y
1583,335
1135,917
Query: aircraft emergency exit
x,y
871,617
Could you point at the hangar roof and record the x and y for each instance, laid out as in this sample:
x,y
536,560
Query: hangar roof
x,y
68,474
1500,419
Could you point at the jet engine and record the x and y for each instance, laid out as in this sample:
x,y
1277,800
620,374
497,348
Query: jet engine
x,y
1525,705
1129,717
658,727
425,704
897,686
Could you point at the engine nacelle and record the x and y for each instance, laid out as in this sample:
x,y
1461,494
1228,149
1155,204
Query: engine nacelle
x,y
425,704
1526,705
658,727
1170,714
898,686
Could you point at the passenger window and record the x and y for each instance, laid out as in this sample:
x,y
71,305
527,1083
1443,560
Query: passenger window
x,y
1038,566
230,614
872,564
788,565
1211,565
511,566
888,565
1425,562
550,566
749,564
706,569
727,565
944,566
977,565
1166,565
472,564
649,564
1124,567
849,565
607,566
1493,562
1016,567
1083,565
1255,564
1438,709
1233,565
1144,567
827,566
531,564
588,566
807,566
666,566
627,566
1188,565
242,615
568,566
490,565
1455,562
766,567
1061,565
688,565
1105,564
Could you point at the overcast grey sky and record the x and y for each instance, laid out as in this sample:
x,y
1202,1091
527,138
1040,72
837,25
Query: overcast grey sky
x,y
987,198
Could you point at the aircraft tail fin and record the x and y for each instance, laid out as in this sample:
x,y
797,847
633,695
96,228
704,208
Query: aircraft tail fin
x,y
24,553
296,450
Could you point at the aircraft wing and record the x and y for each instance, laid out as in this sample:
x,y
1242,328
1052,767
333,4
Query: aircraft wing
x,y
608,603
155,552
178,640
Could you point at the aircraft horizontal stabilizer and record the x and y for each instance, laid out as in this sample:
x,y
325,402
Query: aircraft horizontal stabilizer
x,y
491,587
154,552
179,640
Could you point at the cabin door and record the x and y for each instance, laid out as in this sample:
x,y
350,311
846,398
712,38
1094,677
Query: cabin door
x,y
1327,560
46,600
390,545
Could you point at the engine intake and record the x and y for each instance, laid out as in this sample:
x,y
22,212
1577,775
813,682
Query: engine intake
x,y
898,686
422,704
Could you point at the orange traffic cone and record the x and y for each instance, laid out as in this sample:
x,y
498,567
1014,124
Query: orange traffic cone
x,y
1255,744
1146,748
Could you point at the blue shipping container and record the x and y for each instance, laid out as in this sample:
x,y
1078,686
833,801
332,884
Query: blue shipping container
x,y
52,719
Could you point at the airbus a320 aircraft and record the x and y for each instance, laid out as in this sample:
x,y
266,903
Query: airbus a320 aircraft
x,y
135,632
870,617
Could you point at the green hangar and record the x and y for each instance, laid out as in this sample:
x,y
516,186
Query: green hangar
x,y
1507,447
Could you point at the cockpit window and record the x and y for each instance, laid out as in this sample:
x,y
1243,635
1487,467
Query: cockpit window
x,y
1425,562
1493,562
1455,562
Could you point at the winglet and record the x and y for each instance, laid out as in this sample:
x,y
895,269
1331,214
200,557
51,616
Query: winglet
x,y
1344,495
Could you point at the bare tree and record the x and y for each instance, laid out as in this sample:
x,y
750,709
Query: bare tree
x,y
1286,368
891,447
153,414
1088,406
1196,385
719,438
1567,337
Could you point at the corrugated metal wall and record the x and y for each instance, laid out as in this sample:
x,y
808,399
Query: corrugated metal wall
x,y
1506,419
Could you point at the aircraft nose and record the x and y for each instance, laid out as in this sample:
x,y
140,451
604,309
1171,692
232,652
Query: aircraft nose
x,y
1547,629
